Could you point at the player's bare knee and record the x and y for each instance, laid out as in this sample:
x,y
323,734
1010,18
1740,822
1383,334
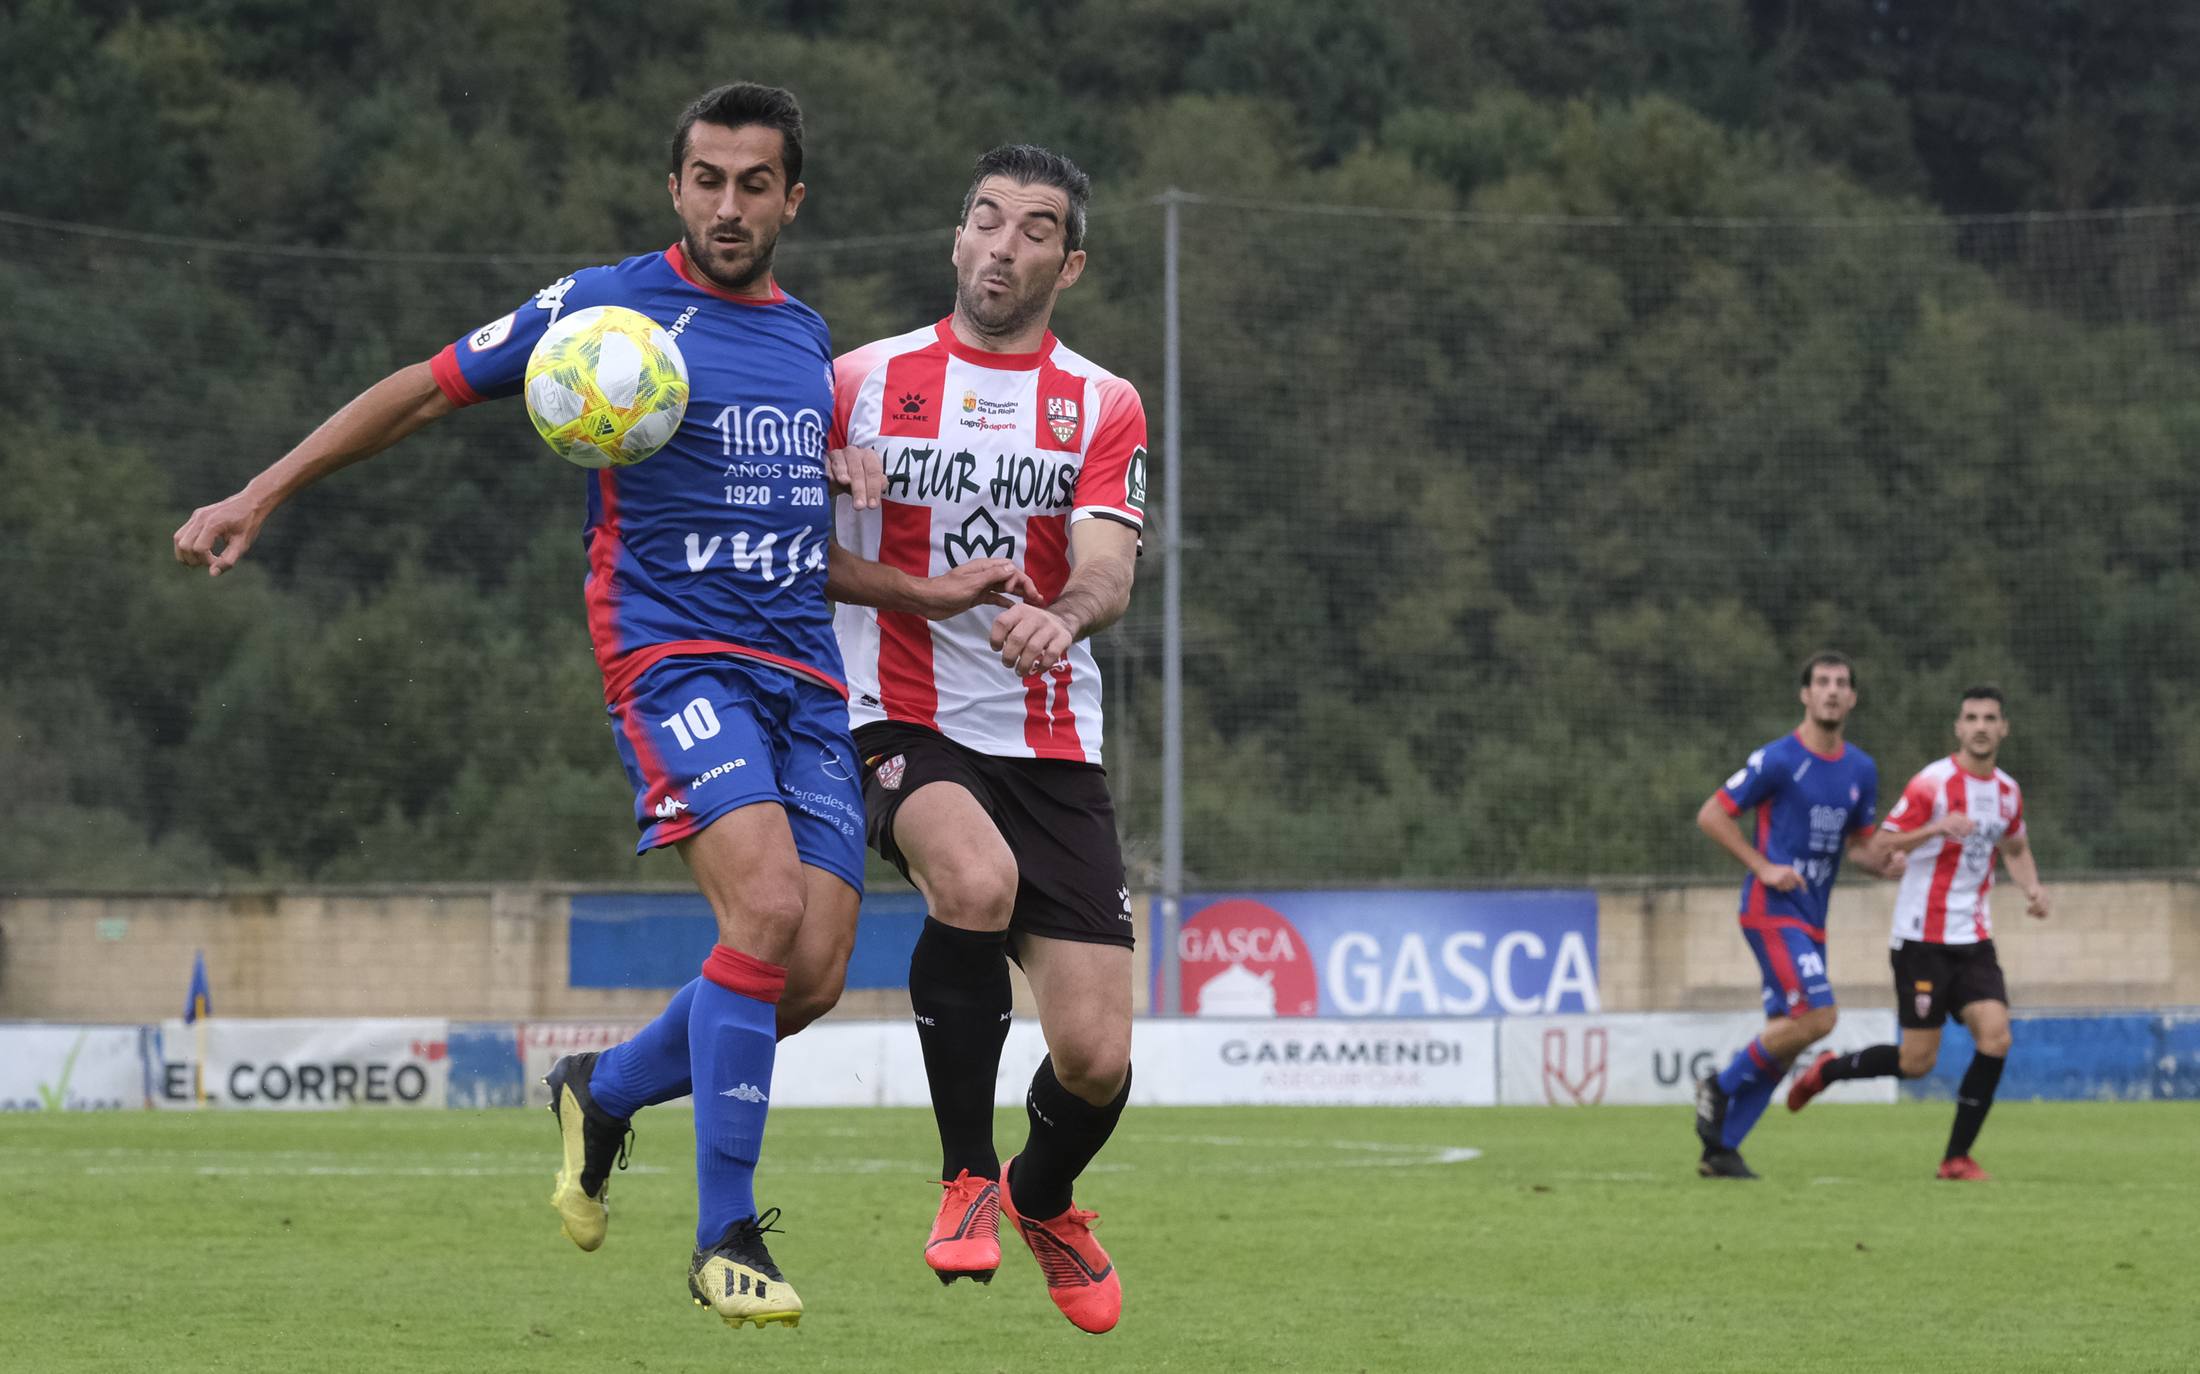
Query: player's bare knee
x,y
1094,1072
764,920
1917,1061
1995,1041
979,896
1818,1022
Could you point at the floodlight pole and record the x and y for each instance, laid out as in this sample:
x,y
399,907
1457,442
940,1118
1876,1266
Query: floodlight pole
x,y
1172,613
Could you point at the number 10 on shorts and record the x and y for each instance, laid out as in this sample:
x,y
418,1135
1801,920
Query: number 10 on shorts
x,y
696,721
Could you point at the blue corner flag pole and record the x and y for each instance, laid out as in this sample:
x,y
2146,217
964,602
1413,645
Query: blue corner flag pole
x,y
198,1006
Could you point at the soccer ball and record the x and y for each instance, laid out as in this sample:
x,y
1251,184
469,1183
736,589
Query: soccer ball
x,y
606,387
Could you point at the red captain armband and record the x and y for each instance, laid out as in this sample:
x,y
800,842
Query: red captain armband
x,y
451,381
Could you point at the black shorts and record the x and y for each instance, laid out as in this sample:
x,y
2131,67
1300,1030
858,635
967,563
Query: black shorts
x,y
1055,815
1933,982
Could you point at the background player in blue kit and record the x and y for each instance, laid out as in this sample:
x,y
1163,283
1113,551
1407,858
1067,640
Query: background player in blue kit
x,y
1816,796
721,673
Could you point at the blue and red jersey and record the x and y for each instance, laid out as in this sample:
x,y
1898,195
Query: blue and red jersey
x,y
716,544
1808,805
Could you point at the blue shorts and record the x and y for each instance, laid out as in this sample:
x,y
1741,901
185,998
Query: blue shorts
x,y
702,736
1793,961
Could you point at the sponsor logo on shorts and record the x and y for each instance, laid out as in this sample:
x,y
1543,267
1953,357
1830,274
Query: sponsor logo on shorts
x,y
832,765
670,807
890,772
720,771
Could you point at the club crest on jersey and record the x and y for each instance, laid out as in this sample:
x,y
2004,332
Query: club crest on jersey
x,y
970,402
1062,418
890,772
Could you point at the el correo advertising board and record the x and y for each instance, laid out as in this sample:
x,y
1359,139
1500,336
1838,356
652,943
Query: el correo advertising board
x,y
300,1065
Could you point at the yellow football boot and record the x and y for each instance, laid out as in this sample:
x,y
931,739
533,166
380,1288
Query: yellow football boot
x,y
593,1142
736,1278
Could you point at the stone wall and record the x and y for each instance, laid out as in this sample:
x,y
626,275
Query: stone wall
x,y
498,952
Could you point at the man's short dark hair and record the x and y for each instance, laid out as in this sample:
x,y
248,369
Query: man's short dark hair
x,y
1827,658
1985,691
739,104
1036,166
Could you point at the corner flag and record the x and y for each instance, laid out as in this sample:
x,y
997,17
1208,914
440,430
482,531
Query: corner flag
x,y
198,1006
199,1001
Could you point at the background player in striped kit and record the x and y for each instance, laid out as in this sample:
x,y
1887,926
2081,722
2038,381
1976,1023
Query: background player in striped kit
x,y
983,785
1953,819
722,679
1816,796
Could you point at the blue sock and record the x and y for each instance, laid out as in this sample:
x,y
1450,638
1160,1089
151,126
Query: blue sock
x,y
650,1068
1743,1109
1751,1064
731,1042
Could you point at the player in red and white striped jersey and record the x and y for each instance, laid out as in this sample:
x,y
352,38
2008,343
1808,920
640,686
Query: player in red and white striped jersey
x,y
980,735
1955,817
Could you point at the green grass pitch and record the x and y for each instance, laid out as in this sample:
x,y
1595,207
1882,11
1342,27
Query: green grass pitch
x,y
1248,1239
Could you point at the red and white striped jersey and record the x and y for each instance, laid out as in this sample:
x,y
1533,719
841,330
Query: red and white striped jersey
x,y
1943,898
987,455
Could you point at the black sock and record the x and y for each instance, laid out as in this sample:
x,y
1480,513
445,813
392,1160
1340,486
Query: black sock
x,y
959,990
1066,1132
1973,1100
1879,1061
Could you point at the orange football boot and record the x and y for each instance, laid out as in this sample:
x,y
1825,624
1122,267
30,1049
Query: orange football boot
x,y
966,1235
1080,1277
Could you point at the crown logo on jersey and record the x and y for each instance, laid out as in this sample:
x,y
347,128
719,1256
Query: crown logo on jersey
x,y
1062,418
981,536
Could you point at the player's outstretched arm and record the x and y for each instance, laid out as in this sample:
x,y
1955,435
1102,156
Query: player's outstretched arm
x,y
858,581
1712,820
216,536
1103,561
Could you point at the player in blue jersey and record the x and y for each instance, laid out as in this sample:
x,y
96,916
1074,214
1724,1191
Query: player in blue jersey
x,y
1816,796
707,605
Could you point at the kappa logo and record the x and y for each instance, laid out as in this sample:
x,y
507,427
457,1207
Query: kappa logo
x,y
745,1092
981,536
1585,1089
552,297
670,807
1062,418
890,772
